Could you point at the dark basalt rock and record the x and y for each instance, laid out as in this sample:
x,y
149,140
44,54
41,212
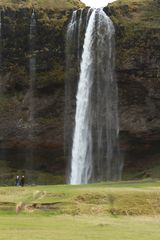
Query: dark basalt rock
x,y
138,75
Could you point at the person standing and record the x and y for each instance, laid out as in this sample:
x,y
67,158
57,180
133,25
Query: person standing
x,y
17,181
22,181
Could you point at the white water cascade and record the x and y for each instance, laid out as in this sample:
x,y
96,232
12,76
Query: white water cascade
x,y
95,150
79,36
74,45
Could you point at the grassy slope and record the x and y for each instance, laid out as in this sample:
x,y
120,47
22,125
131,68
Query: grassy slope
x,y
82,212
50,4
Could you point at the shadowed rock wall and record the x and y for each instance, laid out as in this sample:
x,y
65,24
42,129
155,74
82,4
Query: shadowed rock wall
x,y
45,149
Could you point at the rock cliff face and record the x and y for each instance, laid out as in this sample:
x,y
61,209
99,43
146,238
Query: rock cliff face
x,y
38,151
138,73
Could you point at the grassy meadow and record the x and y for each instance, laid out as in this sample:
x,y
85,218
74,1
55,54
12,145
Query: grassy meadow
x,y
123,210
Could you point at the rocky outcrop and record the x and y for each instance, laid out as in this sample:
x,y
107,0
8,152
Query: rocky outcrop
x,y
138,74
26,149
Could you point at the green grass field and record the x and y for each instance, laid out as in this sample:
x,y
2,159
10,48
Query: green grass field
x,y
78,228
106,211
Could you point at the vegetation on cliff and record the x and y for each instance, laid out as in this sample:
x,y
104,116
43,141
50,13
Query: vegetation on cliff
x,y
137,13
47,4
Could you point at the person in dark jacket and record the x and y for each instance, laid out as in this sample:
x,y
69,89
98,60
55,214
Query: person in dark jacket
x,y
22,181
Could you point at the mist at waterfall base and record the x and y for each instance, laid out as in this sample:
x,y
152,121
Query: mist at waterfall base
x,y
94,145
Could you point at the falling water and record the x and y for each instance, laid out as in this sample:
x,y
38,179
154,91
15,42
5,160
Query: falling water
x,y
32,67
79,37
32,75
74,45
71,70
88,15
95,151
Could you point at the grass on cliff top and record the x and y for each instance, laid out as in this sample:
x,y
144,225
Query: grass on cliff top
x,y
140,13
87,212
46,4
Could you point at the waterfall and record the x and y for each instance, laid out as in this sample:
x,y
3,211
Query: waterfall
x,y
95,150
79,37
30,152
88,15
71,69
32,68
74,44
